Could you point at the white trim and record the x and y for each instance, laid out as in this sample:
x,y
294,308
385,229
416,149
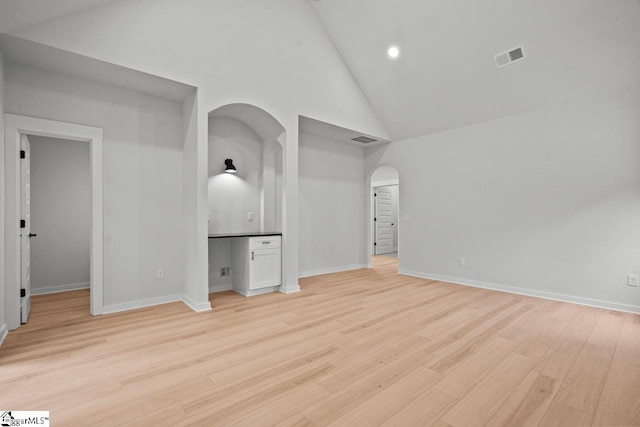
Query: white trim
x,y
197,307
3,332
133,305
14,126
331,270
150,302
254,292
60,288
220,288
385,183
522,291
289,289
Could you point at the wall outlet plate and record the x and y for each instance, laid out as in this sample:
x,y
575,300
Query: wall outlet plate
x,y
160,273
633,280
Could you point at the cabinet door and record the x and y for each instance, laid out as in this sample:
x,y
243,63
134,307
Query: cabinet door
x,y
265,268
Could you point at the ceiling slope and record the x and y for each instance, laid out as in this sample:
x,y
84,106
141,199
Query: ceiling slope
x,y
15,14
275,54
446,77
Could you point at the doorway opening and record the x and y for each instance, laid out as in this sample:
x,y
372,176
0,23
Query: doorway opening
x,y
18,129
385,226
60,215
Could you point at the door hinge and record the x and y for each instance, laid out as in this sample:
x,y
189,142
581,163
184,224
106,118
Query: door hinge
x,y
23,223
23,154
375,219
23,293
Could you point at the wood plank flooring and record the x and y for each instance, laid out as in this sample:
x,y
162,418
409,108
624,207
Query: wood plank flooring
x,y
360,348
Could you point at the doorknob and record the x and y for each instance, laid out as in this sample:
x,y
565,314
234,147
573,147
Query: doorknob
x,y
32,235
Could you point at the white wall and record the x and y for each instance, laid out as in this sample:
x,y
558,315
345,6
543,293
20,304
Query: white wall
x,y
546,202
3,321
333,220
194,193
233,196
384,175
143,176
283,62
60,214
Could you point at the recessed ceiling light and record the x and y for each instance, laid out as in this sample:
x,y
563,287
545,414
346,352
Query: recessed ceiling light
x,y
393,52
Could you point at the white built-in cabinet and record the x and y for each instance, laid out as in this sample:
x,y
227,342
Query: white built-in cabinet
x,y
256,264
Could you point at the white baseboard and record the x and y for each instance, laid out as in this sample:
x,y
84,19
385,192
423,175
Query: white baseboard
x,y
150,302
331,270
254,292
115,308
290,288
61,288
197,307
220,288
3,332
522,291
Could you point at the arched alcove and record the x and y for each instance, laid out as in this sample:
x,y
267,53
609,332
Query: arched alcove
x,y
251,199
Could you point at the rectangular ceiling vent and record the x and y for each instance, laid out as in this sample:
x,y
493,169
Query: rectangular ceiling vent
x,y
509,57
364,139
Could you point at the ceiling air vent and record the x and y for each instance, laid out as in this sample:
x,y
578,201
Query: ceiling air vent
x,y
364,139
509,57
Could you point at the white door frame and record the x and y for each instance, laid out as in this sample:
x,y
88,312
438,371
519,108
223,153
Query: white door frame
x,y
14,126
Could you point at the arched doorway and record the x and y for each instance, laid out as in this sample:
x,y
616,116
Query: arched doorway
x,y
385,222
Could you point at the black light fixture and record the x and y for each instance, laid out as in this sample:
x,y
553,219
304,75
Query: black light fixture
x,y
229,166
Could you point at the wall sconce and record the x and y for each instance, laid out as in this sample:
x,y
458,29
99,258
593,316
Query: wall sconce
x,y
229,168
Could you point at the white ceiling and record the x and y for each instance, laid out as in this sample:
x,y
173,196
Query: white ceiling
x,y
21,51
336,133
16,14
446,76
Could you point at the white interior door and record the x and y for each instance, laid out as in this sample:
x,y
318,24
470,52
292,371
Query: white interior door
x,y
383,220
25,228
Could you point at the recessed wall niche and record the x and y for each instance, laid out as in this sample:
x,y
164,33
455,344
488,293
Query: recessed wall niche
x,y
251,199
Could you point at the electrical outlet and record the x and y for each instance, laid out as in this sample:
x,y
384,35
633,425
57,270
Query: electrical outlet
x,y
249,216
633,280
225,271
160,274
462,261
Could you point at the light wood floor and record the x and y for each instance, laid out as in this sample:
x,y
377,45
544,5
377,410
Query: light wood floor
x,y
361,348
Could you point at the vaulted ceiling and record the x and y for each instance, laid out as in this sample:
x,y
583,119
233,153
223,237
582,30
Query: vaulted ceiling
x,y
445,76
